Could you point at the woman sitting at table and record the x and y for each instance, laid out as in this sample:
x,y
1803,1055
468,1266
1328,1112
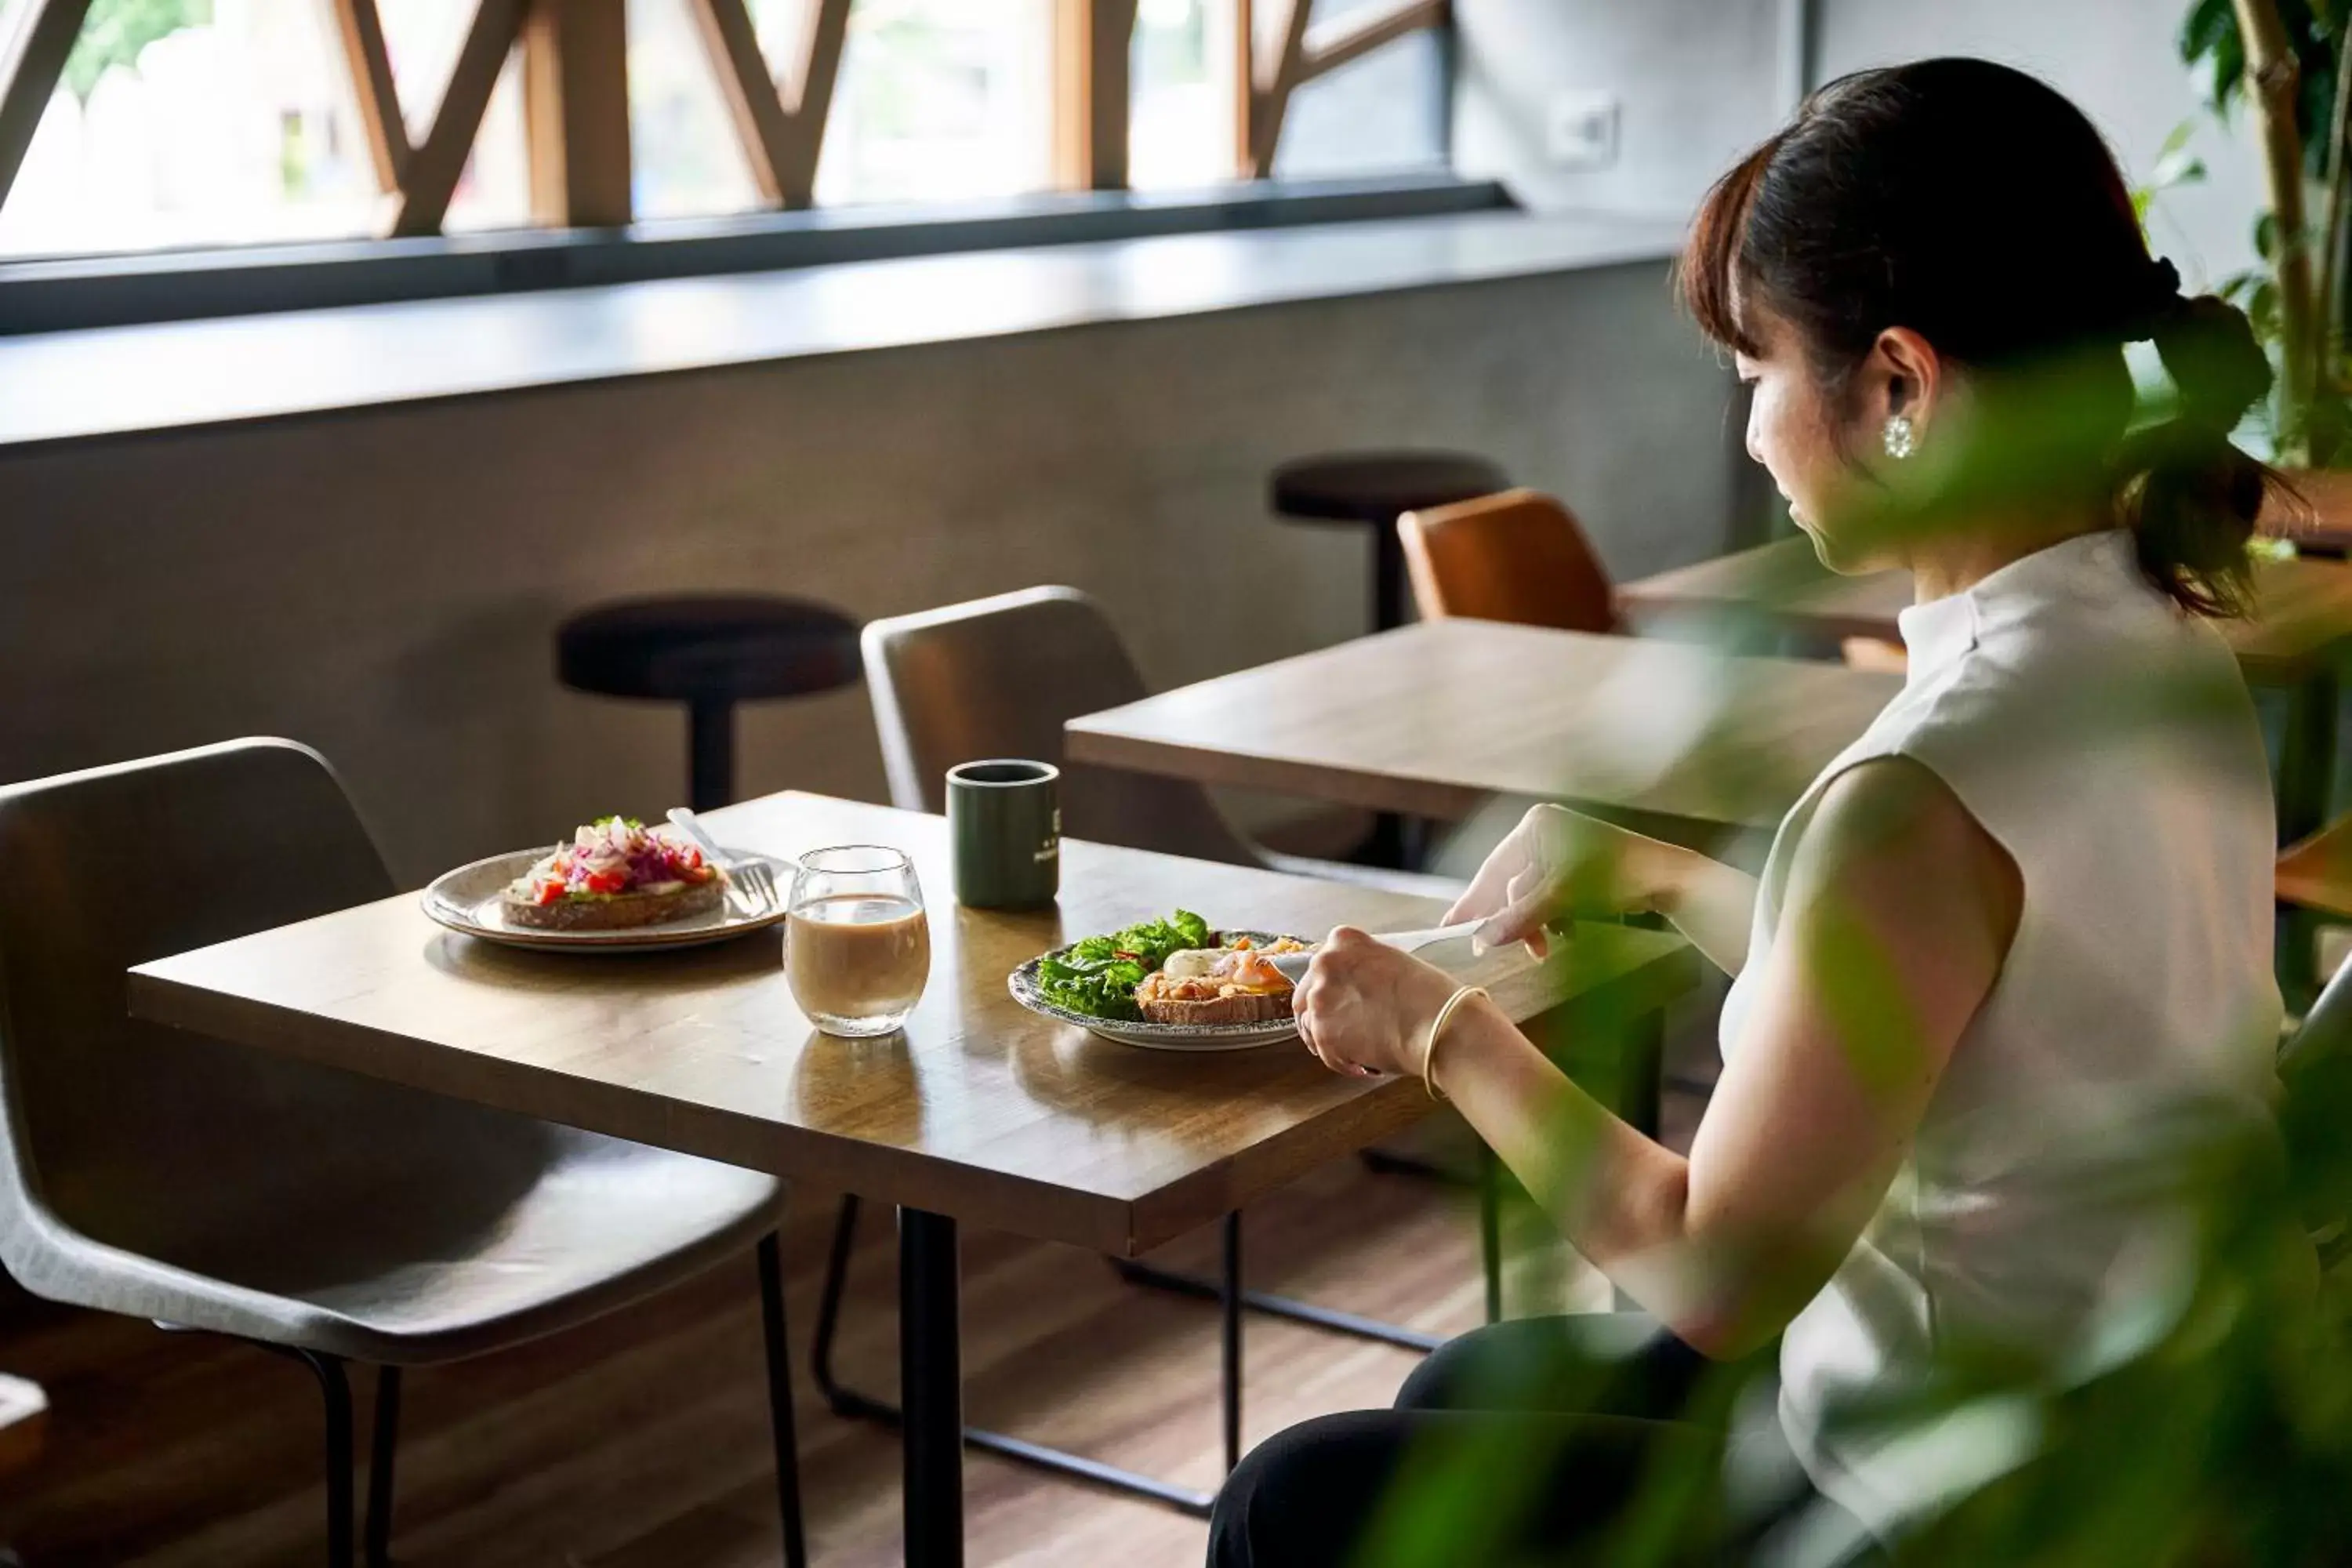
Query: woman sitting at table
x,y
2009,956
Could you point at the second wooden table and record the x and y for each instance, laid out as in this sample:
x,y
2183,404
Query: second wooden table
x,y
1435,720
2295,640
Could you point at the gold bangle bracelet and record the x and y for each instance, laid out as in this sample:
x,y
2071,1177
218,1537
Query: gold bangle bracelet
x,y
1437,1027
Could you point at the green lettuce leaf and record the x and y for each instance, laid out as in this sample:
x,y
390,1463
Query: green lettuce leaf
x,y
1098,976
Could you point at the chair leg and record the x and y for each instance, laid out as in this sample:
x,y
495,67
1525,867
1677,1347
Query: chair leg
x,y
381,1448
780,1399
336,1390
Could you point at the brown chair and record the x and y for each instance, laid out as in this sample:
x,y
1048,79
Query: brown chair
x,y
2315,893
2316,874
1518,556
1522,557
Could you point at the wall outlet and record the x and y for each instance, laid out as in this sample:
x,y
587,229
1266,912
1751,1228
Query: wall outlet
x,y
1580,129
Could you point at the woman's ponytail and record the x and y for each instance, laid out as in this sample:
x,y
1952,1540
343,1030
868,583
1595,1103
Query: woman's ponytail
x,y
2189,496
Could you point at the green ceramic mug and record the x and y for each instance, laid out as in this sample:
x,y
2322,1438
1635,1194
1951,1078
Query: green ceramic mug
x,y
1004,821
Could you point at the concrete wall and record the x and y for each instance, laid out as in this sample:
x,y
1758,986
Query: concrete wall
x,y
1696,80
384,585
1700,80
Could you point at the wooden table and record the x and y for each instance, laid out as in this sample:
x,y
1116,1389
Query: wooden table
x,y
1434,720
2294,640
2325,525
977,1111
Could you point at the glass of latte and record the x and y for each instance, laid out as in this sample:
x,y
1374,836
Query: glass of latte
x,y
858,947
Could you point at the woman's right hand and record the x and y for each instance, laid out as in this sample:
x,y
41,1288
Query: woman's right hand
x,y
1561,865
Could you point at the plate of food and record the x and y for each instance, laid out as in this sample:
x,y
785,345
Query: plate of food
x,y
616,887
1173,985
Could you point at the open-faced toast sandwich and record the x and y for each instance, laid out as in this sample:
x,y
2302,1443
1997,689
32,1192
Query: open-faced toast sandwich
x,y
615,875
1233,985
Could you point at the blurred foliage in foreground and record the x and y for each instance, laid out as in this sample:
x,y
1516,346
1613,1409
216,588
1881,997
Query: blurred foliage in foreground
x,y
2204,1424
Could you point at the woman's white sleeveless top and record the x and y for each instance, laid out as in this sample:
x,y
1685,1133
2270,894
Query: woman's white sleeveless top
x,y
2107,742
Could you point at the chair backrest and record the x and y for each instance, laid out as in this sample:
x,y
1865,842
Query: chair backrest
x,y
140,1136
999,677
1517,556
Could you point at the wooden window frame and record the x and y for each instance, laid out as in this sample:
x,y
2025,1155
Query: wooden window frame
x,y
576,111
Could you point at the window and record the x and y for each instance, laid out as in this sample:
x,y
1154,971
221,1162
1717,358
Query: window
x,y
939,99
684,158
186,122
208,122
1183,74
1384,112
936,101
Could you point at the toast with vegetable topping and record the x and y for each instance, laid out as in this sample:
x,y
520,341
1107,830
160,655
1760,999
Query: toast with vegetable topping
x,y
615,875
1233,985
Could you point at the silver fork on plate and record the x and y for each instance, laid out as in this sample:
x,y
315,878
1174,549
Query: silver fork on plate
x,y
748,880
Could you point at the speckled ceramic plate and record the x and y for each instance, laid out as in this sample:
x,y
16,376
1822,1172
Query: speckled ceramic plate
x,y
1155,1036
466,899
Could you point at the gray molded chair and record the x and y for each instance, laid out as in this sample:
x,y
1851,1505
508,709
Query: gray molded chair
x,y
170,1176
1000,676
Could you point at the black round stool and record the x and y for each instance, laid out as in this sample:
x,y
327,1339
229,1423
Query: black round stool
x,y
709,652
1376,489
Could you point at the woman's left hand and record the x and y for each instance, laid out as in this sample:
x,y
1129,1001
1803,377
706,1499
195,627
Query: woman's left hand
x,y
1365,1007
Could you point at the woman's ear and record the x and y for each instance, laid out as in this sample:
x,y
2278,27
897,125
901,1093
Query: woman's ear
x,y
1903,376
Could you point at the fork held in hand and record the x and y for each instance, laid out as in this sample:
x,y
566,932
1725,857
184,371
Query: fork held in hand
x,y
1293,965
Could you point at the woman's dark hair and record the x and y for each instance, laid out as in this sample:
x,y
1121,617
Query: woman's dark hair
x,y
1977,206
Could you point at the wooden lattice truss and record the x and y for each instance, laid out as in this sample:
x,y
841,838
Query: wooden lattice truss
x,y
575,92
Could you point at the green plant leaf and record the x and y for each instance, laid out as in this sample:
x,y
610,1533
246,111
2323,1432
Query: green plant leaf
x,y
2262,309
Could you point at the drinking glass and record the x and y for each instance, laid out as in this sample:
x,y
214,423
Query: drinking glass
x,y
859,946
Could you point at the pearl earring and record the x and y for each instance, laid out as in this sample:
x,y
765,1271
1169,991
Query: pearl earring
x,y
1902,437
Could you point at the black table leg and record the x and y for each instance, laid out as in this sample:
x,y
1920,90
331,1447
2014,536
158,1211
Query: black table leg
x,y
930,1379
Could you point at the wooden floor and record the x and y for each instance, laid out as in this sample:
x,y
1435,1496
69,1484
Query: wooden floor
x,y
641,1442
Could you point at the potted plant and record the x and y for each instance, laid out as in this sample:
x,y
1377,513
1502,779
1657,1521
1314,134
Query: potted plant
x,y
2285,63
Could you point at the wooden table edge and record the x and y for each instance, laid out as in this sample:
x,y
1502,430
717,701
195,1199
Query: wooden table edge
x,y
1199,1199
1669,602
1335,785
1023,1206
